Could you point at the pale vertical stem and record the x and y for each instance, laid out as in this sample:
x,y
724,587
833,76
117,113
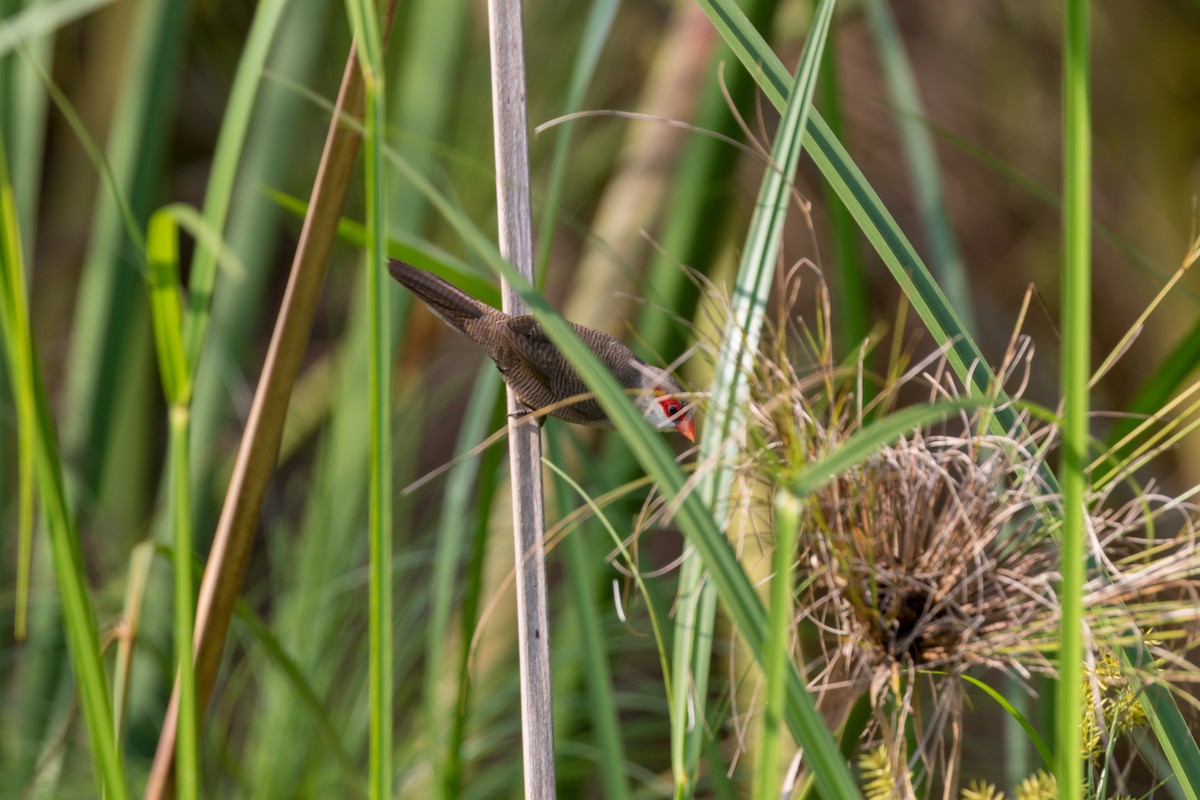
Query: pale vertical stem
x,y
525,447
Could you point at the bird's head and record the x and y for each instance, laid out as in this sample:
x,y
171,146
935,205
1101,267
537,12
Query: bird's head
x,y
666,408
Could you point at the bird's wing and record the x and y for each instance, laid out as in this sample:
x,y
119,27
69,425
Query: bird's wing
x,y
546,364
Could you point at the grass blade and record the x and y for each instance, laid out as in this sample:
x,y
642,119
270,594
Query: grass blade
x,y
1076,369
868,211
379,521
78,616
1175,736
166,313
779,639
724,424
1043,750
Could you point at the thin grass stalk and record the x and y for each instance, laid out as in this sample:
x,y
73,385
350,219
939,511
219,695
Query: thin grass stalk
x,y
260,442
511,133
722,431
166,315
78,617
379,520
1076,369
187,746
779,638
19,350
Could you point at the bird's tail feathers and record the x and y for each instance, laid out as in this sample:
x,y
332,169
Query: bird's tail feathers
x,y
452,305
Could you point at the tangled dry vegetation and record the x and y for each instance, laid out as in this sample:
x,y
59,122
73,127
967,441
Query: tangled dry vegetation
x,y
936,557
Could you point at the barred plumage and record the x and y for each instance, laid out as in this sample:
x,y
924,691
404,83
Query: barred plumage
x,y
536,370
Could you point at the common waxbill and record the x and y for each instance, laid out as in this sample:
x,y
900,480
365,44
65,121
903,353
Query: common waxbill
x,y
534,367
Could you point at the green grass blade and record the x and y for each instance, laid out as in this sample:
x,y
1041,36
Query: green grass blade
x,y
1043,750
78,616
869,439
166,306
723,427
1175,736
868,211
1076,369
779,640
219,191
166,313
19,351
369,45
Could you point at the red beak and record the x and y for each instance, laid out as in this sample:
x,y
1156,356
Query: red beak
x,y
687,427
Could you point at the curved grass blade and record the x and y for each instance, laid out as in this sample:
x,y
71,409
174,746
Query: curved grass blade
x,y
78,616
873,218
1043,750
724,424
1175,736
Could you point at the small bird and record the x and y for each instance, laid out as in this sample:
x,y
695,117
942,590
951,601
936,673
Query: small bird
x,y
535,369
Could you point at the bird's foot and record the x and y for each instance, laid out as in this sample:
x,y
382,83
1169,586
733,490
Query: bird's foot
x,y
522,412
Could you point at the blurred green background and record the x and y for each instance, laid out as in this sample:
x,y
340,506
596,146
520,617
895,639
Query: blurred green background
x,y
635,200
